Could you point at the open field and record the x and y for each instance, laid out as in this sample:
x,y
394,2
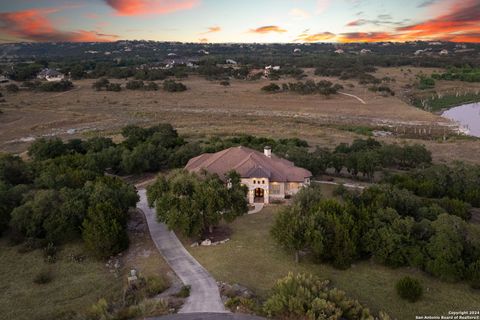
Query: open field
x,y
75,286
208,108
253,259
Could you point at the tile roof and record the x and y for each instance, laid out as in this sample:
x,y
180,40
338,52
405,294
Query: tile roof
x,y
248,163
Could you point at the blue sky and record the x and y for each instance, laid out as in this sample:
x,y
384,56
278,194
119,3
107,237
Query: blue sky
x,y
240,21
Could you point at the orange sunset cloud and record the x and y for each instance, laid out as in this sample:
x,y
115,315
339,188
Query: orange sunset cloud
x,y
142,7
34,25
268,29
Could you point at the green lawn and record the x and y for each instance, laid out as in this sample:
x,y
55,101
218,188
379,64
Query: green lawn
x,y
253,259
75,286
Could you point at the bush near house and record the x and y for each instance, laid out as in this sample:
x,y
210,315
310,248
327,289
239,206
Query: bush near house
x,y
194,204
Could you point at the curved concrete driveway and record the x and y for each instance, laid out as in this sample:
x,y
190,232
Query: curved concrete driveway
x,y
204,293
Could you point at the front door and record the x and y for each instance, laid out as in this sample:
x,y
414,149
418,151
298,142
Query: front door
x,y
259,195
259,192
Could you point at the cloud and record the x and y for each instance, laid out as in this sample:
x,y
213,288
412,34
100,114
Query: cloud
x,y
299,14
377,22
384,17
366,37
203,40
144,7
212,30
268,29
462,19
426,3
34,25
317,37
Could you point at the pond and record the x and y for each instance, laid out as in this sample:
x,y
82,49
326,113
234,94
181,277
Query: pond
x,y
468,116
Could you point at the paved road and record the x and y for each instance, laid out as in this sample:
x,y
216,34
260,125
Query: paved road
x,y
208,316
204,293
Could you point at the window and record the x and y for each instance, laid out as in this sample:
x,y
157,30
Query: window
x,y
263,181
275,189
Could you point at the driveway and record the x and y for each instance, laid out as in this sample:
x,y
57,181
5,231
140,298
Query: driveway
x,y
208,316
204,293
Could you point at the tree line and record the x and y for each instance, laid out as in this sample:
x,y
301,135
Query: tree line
x,y
392,226
361,157
62,194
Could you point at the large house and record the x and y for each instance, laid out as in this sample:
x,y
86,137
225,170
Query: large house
x,y
267,176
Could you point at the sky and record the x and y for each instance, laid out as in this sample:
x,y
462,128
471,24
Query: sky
x,y
220,21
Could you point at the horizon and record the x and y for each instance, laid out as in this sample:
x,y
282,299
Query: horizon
x,y
267,21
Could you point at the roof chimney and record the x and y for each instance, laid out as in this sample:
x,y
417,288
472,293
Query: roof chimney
x,y
267,151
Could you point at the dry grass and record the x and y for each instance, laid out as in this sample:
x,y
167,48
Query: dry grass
x,y
74,286
208,108
253,259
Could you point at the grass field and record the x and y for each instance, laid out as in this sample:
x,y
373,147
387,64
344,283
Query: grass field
x,y
253,259
208,108
75,286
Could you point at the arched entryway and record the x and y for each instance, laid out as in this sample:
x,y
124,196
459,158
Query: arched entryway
x,y
259,195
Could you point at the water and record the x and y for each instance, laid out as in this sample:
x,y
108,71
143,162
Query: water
x,y
468,116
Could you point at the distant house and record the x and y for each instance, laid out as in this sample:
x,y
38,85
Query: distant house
x,y
444,52
269,69
266,176
365,51
3,79
297,50
230,61
203,51
50,75
190,63
339,51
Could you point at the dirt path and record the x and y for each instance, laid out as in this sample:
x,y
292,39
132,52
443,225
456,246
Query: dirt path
x,y
353,96
204,293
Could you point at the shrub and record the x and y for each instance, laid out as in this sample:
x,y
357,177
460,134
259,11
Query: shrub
x,y
12,88
305,296
100,84
151,86
135,85
184,292
426,83
173,86
474,274
409,289
155,286
116,87
43,277
272,87
225,83
56,86
50,253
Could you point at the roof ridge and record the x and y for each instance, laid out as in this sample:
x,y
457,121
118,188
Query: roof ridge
x,y
222,153
273,167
